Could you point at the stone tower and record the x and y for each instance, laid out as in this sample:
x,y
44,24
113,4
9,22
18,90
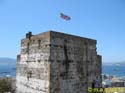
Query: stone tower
x,y
54,62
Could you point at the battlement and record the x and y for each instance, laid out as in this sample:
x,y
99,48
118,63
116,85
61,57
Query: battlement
x,y
51,35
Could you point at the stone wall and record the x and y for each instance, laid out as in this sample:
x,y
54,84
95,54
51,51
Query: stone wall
x,y
75,63
33,66
54,62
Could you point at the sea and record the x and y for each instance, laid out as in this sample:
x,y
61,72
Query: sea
x,y
116,70
8,69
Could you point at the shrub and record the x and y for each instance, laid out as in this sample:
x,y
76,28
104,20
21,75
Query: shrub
x,y
5,85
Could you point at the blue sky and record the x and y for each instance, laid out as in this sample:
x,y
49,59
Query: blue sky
x,y
103,20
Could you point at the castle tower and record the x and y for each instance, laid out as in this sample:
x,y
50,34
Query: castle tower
x,y
54,62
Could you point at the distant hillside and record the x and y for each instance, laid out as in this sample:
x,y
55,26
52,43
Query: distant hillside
x,y
121,63
7,67
5,61
114,63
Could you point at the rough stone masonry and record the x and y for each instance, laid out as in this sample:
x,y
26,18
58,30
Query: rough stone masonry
x,y
54,62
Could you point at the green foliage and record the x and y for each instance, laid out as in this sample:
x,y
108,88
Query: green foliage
x,y
5,85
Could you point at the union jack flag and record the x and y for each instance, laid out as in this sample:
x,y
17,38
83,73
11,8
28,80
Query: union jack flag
x,y
64,16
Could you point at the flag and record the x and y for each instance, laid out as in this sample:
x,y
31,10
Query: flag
x,y
64,16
